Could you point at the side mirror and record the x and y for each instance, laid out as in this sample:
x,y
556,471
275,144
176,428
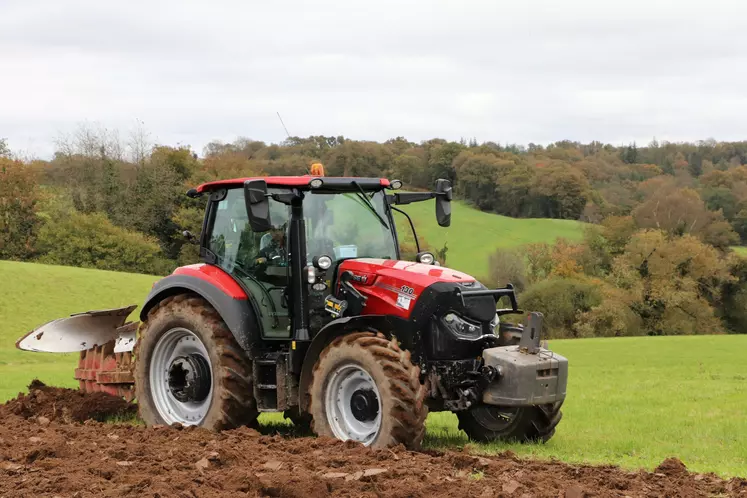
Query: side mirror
x,y
257,205
443,202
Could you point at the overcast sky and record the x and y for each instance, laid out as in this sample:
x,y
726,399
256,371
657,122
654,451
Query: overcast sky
x,y
508,71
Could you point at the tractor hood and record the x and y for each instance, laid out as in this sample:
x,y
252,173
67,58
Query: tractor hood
x,y
407,289
419,275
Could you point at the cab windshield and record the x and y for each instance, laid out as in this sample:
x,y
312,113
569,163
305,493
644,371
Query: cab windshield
x,y
342,226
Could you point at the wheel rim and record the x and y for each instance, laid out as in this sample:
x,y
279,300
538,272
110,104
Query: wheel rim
x,y
495,418
353,404
181,377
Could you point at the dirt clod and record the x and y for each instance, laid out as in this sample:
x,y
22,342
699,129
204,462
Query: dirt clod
x,y
575,492
273,465
671,467
93,459
45,403
335,475
511,487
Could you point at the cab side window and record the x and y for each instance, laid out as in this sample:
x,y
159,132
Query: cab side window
x,y
232,240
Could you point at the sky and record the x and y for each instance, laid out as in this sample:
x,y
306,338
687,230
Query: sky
x,y
515,71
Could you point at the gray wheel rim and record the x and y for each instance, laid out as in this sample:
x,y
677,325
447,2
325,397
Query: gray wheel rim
x,y
174,343
344,381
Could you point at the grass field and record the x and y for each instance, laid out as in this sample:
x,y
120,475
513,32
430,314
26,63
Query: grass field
x,y
631,401
741,250
474,235
32,294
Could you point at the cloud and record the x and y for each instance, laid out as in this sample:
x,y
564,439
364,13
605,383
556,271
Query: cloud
x,y
508,71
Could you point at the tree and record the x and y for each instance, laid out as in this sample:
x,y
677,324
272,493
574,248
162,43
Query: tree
x,y
4,150
507,266
675,281
740,224
562,301
478,175
618,230
358,159
514,192
629,154
441,160
19,223
682,211
410,169
563,192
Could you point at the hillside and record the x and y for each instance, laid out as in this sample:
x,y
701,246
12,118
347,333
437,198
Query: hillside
x,y
474,235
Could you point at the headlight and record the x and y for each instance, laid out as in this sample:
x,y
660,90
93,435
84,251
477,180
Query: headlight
x,y
460,327
395,184
426,258
495,322
323,262
316,183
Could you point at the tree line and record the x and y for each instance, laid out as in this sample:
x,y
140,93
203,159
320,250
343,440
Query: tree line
x,y
116,204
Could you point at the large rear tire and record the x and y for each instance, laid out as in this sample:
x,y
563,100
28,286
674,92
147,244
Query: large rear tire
x,y
487,423
365,388
189,368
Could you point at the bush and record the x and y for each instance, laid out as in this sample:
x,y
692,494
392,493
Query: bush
x,y
92,241
19,223
507,266
612,318
562,301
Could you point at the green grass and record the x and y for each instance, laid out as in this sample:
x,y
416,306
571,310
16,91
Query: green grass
x,y
631,401
32,294
636,401
741,250
474,235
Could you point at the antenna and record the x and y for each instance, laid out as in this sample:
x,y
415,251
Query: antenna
x,y
281,122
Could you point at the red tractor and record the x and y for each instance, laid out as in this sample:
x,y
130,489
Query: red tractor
x,y
303,306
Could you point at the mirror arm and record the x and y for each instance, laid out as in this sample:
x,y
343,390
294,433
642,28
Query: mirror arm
x,y
409,197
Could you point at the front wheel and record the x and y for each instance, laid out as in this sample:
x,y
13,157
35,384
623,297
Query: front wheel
x,y
486,423
366,389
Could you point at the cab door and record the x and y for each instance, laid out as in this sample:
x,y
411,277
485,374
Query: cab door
x,y
259,261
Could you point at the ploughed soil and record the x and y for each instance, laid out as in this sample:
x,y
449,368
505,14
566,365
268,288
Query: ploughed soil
x,y
46,451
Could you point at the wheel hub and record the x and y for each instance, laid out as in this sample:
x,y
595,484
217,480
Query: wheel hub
x,y
353,404
364,405
189,378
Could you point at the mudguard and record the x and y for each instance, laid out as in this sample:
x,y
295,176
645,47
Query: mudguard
x,y
80,332
386,324
219,289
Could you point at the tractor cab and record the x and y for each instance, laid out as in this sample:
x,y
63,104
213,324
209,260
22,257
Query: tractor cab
x,y
253,224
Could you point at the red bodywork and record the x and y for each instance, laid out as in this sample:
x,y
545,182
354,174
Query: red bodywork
x,y
215,276
272,181
393,287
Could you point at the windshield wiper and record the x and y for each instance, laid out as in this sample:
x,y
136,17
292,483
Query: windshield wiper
x,y
362,196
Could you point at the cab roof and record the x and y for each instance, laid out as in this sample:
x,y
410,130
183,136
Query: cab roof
x,y
302,182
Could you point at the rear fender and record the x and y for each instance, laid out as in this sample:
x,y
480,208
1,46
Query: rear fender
x,y
80,332
230,301
390,326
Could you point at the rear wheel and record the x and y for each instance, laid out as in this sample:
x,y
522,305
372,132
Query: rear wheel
x,y
486,423
189,369
365,388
